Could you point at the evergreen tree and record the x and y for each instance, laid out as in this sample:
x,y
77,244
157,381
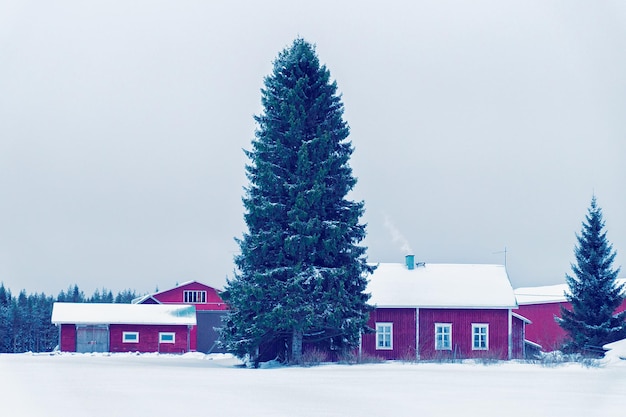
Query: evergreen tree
x,y
593,291
48,333
6,320
300,275
22,323
106,296
73,295
124,297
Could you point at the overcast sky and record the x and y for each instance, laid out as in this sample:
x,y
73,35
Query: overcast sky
x,y
476,125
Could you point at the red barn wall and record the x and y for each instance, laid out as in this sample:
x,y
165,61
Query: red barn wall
x,y
67,342
544,330
462,320
148,338
175,296
404,333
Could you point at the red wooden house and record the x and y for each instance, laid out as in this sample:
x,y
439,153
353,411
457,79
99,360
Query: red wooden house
x,y
443,311
541,305
209,311
86,327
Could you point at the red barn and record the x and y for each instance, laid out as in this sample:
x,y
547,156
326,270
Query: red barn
x,y
209,311
85,327
541,305
443,311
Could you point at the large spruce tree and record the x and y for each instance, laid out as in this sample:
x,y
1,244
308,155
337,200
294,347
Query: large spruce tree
x,y
593,290
301,274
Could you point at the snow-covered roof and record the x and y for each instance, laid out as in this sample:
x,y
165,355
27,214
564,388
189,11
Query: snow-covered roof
x,y
541,295
547,293
143,298
104,313
441,286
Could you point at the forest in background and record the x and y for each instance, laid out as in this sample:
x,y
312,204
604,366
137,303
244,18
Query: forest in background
x,y
25,324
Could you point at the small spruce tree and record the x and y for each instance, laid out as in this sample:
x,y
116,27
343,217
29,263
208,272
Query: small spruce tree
x,y
301,274
593,290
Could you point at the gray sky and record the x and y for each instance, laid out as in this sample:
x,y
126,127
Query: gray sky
x,y
476,125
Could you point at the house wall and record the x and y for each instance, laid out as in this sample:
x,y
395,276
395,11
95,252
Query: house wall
x,y
518,328
148,338
404,332
461,320
175,295
67,342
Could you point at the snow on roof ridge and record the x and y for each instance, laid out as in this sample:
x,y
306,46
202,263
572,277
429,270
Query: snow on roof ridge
x,y
543,294
441,286
437,264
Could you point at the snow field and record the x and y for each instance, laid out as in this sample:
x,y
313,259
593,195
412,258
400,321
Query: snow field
x,y
159,385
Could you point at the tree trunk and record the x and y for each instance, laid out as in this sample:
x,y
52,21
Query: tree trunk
x,y
296,347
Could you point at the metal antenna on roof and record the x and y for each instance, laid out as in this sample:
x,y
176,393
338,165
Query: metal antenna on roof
x,y
504,252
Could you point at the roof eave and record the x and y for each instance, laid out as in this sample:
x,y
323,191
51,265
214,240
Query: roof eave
x,y
95,323
524,319
448,307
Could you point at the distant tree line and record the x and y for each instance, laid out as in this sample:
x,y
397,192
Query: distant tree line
x,y
25,320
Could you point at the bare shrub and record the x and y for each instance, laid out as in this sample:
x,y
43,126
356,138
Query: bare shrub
x,y
314,357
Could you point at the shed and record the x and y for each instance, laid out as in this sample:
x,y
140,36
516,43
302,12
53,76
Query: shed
x,y
95,327
443,311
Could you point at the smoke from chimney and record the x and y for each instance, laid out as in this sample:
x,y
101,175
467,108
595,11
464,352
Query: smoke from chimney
x,y
397,237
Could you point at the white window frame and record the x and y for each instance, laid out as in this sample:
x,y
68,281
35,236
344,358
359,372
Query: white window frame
x,y
134,337
172,334
481,337
384,336
441,335
194,296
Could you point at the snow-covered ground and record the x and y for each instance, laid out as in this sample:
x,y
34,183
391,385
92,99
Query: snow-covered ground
x,y
153,385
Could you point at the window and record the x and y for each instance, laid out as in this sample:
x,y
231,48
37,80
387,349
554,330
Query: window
x,y
384,336
194,296
167,337
443,336
130,337
480,336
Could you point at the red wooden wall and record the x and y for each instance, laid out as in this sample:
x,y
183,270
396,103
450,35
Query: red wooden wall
x,y
544,330
148,338
175,296
462,320
518,336
404,328
68,338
